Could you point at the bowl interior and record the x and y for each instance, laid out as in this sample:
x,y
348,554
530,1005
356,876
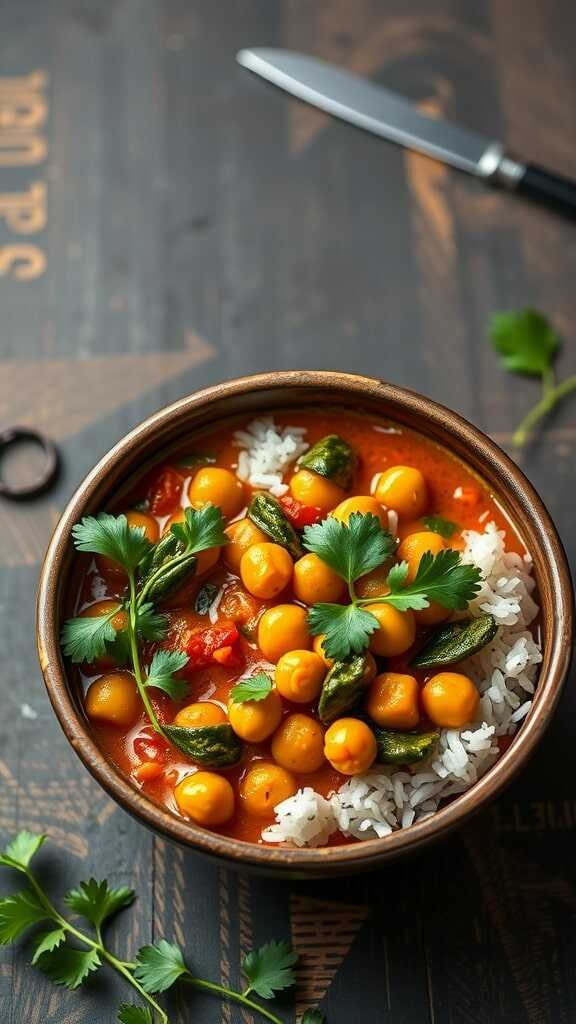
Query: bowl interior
x,y
179,424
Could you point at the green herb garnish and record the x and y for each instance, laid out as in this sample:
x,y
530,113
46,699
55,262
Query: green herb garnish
x,y
86,639
68,955
152,571
528,344
356,548
162,673
256,687
351,549
437,524
202,528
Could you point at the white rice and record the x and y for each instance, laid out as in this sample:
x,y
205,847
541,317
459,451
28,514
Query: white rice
x,y
267,451
385,799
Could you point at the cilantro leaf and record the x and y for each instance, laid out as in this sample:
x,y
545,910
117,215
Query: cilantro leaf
x,y
20,851
128,1014
352,549
18,912
47,941
202,528
444,527
443,578
269,968
525,340
112,537
96,901
257,687
68,966
85,639
159,966
161,673
347,628
313,1017
150,624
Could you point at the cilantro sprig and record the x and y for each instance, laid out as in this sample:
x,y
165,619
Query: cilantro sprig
x,y
528,345
151,570
68,955
356,548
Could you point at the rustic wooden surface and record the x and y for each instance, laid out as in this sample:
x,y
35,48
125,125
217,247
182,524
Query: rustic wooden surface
x,y
187,223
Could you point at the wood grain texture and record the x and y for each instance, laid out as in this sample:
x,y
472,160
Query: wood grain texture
x,y
202,225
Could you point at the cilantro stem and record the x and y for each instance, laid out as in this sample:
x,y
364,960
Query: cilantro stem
x,y
133,640
551,395
121,966
229,993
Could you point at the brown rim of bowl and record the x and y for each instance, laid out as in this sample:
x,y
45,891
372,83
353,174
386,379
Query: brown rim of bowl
x,y
266,392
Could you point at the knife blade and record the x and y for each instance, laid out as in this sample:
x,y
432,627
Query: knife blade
x,y
378,110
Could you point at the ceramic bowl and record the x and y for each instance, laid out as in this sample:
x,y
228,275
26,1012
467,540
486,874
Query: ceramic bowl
x,y
265,393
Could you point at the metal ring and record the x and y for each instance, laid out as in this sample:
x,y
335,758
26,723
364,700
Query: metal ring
x,y
14,435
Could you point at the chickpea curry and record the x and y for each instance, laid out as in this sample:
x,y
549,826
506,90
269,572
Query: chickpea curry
x,y
236,642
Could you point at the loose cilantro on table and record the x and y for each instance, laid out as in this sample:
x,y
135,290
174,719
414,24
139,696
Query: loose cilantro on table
x,y
151,570
528,344
67,955
356,548
256,687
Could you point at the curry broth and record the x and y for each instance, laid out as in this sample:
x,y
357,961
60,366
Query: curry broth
x,y
456,493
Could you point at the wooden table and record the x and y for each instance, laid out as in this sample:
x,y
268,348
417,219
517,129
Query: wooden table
x,y
167,221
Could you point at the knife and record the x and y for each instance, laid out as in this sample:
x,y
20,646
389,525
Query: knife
x,y
378,110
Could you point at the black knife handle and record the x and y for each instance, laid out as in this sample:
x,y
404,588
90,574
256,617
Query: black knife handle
x,y
551,189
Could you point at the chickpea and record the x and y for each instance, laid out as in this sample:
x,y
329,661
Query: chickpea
x,y
201,713
256,720
373,584
392,701
298,744
309,488
450,700
264,786
266,569
299,676
350,746
283,628
315,581
403,488
205,560
415,546
143,519
113,698
319,650
362,503
205,797
397,630
214,486
243,534
432,615
110,569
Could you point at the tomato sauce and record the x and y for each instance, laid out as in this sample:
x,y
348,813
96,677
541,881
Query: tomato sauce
x,y
455,494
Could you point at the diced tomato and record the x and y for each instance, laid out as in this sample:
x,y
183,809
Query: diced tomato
x,y
215,645
301,515
164,493
468,496
147,771
151,748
